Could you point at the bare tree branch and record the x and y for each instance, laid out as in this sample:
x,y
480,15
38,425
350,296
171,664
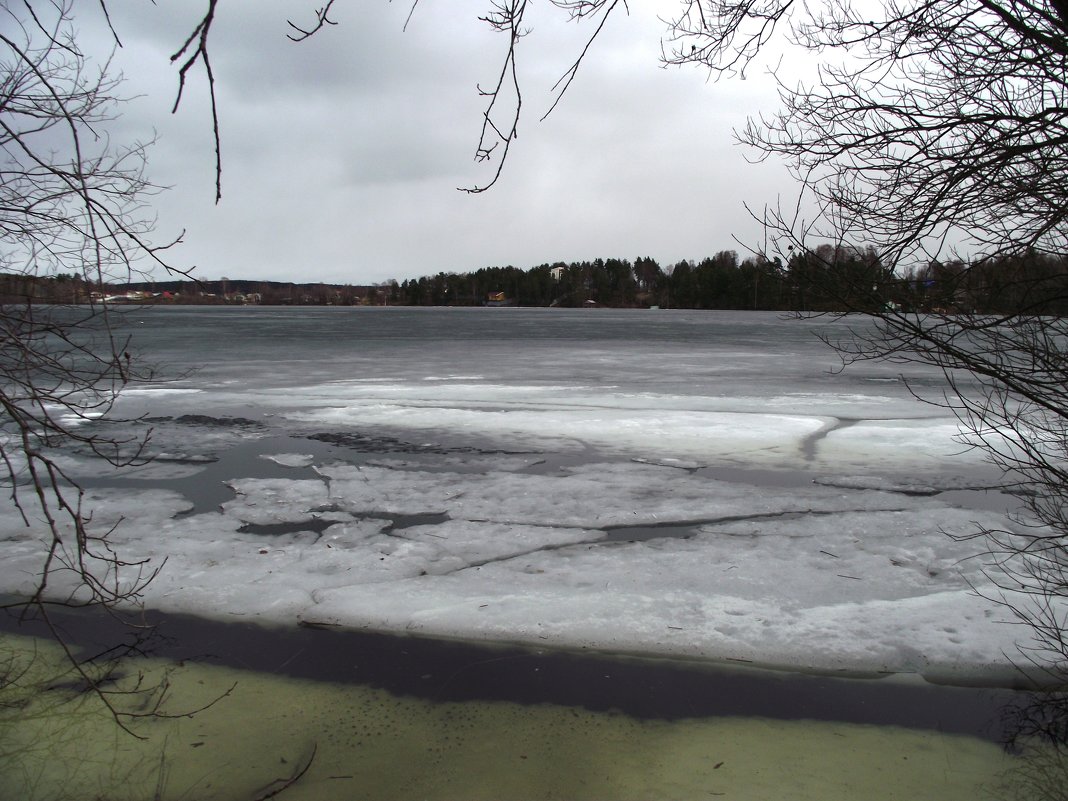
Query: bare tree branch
x,y
192,54
321,20
73,207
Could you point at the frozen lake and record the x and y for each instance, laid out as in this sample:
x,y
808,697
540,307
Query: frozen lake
x,y
655,485
701,485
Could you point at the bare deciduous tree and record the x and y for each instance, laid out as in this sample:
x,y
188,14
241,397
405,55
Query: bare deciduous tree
x,y
928,128
72,207
934,128
925,123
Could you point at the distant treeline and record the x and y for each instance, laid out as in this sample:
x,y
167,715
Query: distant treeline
x,y
15,288
825,279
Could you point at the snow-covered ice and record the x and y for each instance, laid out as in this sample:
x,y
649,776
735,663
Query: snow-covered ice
x,y
783,520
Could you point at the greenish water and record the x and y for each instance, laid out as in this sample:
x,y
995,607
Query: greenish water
x,y
259,730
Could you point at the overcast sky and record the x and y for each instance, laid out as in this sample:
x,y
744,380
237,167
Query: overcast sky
x,y
342,155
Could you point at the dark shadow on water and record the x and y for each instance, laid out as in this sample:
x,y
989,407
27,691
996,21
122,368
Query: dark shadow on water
x,y
442,670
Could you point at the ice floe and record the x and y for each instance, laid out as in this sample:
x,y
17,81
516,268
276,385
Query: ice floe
x,y
825,579
745,510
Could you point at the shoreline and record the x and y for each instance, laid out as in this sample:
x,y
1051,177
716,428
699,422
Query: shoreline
x,y
656,687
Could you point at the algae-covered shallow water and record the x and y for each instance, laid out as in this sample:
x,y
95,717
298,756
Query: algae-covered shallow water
x,y
400,718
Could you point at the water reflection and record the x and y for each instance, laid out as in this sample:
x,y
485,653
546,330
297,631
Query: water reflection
x,y
371,743
442,670
581,728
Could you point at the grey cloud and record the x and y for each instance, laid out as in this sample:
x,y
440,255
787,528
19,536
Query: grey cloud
x,y
342,154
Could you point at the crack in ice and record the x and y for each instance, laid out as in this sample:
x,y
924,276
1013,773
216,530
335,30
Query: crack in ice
x,y
621,535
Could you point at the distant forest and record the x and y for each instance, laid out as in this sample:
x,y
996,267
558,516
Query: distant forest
x,y
827,279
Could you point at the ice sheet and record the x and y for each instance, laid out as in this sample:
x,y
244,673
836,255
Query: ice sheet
x,y
815,578
727,498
